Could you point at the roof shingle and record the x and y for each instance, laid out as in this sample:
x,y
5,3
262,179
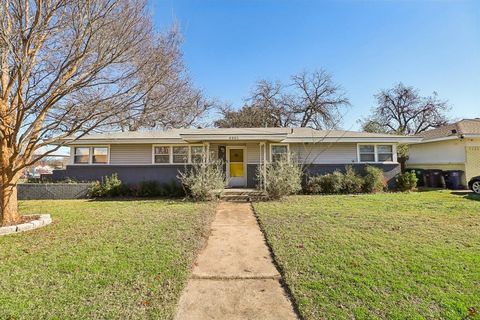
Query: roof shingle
x,y
463,127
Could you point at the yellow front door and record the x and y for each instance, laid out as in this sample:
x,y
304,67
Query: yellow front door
x,y
236,167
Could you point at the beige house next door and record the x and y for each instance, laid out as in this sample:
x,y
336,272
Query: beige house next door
x,y
236,166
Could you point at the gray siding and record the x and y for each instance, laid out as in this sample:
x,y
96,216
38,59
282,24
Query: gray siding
x,y
325,153
320,153
253,153
130,154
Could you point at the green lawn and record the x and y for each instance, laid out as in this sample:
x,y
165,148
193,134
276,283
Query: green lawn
x,y
101,259
385,256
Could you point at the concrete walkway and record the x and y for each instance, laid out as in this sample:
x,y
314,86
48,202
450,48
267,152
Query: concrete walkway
x,y
234,277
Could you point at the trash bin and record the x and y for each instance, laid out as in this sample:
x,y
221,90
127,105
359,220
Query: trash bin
x,y
453,179
420,173
434,178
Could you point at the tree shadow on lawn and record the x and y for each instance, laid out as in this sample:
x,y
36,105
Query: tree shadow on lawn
x,y
470,195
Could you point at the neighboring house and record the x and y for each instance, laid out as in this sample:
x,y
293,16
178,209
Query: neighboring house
x,y
452,147
155,155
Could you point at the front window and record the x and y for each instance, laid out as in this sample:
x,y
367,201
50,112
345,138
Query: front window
x,y
100,155
385,153
197,154
279,152
180,154
162,154
82,155
375,153
367,153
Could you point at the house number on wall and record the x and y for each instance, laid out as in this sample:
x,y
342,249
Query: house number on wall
x,y
233,138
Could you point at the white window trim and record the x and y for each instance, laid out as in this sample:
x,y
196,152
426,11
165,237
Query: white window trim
x,y
90,155
279,144
394,152
170,153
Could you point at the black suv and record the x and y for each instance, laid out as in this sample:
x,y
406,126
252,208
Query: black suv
x,y
474,184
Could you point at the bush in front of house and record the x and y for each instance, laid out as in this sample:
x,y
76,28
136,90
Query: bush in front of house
x,y
336,183
112,186
314,185
109,186
407,181
172,189
330,183
347,183
152,188
202,180
280,178
148,189
374,180
352,182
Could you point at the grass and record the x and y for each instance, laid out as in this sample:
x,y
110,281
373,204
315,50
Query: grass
x,y
101,259
385,256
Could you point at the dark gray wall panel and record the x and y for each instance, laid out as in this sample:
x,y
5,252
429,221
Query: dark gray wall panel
x,y
128,174
164,174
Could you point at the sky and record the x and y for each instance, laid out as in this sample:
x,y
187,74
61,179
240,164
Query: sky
x,y
366,46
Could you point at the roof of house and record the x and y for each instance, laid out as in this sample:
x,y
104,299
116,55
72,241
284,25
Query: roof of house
x,y
240,134
465,127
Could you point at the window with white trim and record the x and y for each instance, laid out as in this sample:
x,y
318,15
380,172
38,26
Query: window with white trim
x,y
278,152
177,154
376,153
100,155
384,153
367,153
180,154
81,155
196,153
161,154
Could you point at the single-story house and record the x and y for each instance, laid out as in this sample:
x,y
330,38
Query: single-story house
x,y
452,147
159,155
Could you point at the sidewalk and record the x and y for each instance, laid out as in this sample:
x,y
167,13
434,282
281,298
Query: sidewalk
x,y
234,277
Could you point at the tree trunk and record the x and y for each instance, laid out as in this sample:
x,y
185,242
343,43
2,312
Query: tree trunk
x,y
8,205
403,163
8,186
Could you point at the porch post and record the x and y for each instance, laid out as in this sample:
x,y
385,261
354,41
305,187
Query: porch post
x,y
263,162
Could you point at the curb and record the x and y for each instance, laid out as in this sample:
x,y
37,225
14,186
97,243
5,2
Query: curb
x,y
42,221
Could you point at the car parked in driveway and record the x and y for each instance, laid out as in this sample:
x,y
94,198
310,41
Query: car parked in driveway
x,y
474,184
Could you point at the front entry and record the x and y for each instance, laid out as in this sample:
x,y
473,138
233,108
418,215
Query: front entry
x,y
236,167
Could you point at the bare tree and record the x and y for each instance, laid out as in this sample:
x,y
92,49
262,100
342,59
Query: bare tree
x,y
318,102
402,110
310,100
68,67
169,99
246,117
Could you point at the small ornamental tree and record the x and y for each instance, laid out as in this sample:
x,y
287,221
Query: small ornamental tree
x,y
407,181
202,179
280,178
